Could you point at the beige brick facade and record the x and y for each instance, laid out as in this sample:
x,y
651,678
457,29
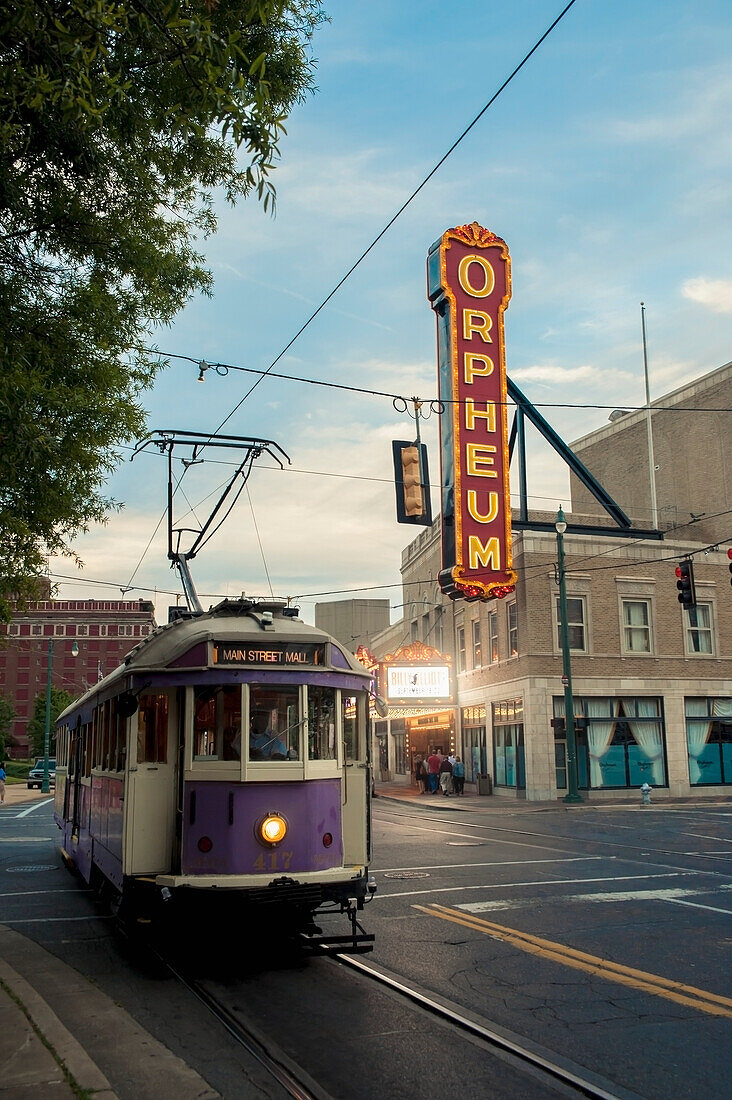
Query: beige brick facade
x,y
637,641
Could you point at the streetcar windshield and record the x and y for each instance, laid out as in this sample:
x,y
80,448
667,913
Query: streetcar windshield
x,y
274,722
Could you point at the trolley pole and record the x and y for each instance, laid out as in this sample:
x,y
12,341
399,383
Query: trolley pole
x,y
45,785
572,794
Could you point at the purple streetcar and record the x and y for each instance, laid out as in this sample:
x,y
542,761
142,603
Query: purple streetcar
x,y
225,762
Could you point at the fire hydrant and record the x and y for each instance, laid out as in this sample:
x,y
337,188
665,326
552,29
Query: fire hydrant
x,y
646,794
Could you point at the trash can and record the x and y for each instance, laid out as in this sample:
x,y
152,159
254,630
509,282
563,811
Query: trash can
x,y
485,784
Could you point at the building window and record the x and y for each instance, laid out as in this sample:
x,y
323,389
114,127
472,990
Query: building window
x,y
575,623
437,641
474,745
36,628
512,615
398,733
477,648
709,740
493,637
414,632
620,741
637,626
461,648
698,624
508,744
59,630
82,630
426,627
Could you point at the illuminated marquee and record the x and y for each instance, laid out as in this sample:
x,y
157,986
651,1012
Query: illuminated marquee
x,y
469,287
416,673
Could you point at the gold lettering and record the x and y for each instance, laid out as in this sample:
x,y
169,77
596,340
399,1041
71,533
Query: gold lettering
x,y
469,358
477,456
473,507
488,275
474,320
472,414
489,556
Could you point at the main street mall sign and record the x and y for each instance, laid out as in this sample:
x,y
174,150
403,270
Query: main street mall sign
x,y
469,287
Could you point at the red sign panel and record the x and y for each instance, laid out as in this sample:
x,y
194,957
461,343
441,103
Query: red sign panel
x,y
469,285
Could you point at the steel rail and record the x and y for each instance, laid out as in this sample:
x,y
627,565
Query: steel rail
x,y
276,1064
522,1054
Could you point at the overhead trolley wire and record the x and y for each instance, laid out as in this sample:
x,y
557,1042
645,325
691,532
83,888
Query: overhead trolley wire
x,y
398,213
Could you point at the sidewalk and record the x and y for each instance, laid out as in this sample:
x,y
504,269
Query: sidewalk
x,y
60,1036
507,803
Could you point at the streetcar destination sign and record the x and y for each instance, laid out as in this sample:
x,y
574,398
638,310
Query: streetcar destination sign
x,y
281,653
469,287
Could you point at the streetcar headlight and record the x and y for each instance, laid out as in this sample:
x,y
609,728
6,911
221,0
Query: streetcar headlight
x,y
272,829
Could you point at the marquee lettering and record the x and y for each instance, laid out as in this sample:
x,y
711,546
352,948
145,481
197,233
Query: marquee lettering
x,y
469,286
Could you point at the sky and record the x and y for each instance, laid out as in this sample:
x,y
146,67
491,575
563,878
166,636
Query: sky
x,y
605,165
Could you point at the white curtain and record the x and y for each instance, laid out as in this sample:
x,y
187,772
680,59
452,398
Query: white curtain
x,y
698,729
648,735
722,708
599,734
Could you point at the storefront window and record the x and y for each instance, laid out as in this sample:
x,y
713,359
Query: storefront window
x,y
620,741
508,744
398,733
709,740
474,743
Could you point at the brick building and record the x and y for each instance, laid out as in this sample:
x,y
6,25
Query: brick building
x,y
89,639
652,682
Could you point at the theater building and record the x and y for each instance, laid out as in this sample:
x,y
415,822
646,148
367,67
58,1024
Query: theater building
x,y
88,639
652,681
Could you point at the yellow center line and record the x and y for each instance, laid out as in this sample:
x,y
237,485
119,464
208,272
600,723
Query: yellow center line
x,y
689,995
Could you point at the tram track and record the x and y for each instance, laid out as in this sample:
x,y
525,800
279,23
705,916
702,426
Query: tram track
x,y
540,1062
549,1073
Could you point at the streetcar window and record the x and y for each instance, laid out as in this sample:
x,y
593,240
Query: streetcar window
x,y
152,729
217,722
321,723
350,718
274,722
118,741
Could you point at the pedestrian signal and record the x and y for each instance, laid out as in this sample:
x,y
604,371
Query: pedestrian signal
x,y
729,555
685,583
412,483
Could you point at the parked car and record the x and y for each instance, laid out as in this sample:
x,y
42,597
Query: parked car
x,y
35,775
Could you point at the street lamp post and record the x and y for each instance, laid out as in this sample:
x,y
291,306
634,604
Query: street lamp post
x,y
573,794
46,782
45,785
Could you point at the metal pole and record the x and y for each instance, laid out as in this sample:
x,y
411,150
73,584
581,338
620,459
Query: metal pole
x,y
45,785
573,794
649,429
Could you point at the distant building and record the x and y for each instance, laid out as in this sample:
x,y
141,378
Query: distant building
x,y
101,631
652,682
353,622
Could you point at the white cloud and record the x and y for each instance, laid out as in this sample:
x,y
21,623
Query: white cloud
x,y
715,294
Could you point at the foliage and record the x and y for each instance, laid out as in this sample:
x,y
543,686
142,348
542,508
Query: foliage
x,y
60,699
7,717
117,119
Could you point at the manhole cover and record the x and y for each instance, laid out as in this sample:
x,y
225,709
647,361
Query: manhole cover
x,y
33,867
406,874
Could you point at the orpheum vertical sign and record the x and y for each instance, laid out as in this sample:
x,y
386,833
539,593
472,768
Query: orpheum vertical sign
x,y
469,287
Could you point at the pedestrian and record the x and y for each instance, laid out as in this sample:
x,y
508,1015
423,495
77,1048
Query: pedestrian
x,y
458,776
3,777
420,774
446,776
434,760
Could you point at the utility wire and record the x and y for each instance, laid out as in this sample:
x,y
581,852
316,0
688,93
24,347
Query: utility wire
x,y
400,211
224,368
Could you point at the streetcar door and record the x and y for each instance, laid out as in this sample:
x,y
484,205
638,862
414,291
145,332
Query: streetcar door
x,y
151,793
356,779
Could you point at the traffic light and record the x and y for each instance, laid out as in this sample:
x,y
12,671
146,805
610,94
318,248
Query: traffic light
x,y
729,555
685,583
412,483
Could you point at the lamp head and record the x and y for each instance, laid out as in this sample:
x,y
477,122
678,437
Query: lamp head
x,y
561,524
74,649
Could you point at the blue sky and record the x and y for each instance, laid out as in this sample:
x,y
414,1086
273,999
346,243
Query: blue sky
x,y
605,165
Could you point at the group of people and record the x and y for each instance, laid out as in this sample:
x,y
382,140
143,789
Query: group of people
x,y
439,773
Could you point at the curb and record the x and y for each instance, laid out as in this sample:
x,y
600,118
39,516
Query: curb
x,y
66,1051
